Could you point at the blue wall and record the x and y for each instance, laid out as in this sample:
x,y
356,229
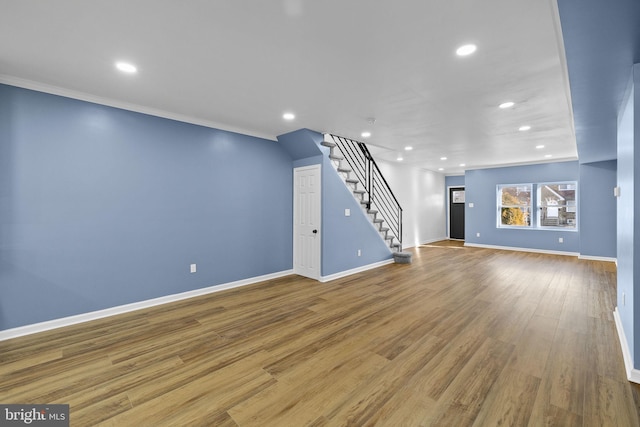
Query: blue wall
x,y
628,258
602,41
344,235
301,145
103,207
454,181
480,186
597,209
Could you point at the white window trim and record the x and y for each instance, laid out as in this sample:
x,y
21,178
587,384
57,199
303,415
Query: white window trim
x,y
499,206
539,207
535,208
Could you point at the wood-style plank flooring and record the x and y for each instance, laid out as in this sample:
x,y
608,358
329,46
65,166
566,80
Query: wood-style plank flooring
x,y
460,337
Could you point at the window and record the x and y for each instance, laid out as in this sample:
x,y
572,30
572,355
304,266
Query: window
x,y
555,204
514,205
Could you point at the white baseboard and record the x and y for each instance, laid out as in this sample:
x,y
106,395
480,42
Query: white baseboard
x,y
113,311
544,251
346,273
598,258
439,239
633,375
513,248
426,242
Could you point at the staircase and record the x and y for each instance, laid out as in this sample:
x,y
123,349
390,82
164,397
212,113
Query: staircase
x,y
359,171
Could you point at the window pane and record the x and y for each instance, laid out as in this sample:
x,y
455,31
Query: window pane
x,y
557,203
516,217
557,194
517,195
514,205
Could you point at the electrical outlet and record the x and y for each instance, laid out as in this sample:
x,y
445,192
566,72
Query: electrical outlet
x,y
347,212
477,234
560,240
192,268
359,252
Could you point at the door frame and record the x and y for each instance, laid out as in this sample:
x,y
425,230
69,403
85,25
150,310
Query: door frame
x,y
449,187
317,167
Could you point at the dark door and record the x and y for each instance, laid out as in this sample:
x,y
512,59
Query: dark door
x,y
456,213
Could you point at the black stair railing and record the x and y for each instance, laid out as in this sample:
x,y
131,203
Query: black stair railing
x,y
378,192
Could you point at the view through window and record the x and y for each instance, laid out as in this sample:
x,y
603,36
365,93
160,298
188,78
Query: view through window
x,y
555,204
514,205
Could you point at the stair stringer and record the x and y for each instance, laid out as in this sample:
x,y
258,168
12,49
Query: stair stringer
x,y
355,187
344,235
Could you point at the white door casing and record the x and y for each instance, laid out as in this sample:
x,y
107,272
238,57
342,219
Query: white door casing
x,y
306,221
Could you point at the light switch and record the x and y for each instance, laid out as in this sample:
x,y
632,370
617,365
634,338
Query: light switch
x,y
347,212
470,205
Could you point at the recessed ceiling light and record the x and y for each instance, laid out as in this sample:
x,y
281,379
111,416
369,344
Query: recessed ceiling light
x,y
507,104
466,49
462,165
539,147
365,134
440,169
548,155
408,148
126,67
524,128
399,159
443,158
288,116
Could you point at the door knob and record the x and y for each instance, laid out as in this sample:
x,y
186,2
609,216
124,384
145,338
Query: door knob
x,y
315,231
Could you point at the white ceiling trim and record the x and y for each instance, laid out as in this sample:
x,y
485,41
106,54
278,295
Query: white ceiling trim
x,y
509,165
82,96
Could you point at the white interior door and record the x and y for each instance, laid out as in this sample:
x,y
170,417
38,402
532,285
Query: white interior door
x,y
306,221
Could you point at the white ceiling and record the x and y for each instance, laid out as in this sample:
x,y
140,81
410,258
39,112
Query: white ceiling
x,y
240,64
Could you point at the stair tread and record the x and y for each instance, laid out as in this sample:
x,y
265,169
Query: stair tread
x,y
372,211
359,191
380,220
344,170
384,229
336,157
352,180
329,144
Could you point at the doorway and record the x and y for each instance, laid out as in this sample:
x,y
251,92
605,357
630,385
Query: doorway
x,y
306,221
456,213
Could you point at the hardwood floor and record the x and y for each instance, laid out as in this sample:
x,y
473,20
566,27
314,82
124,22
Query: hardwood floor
x,y
460,337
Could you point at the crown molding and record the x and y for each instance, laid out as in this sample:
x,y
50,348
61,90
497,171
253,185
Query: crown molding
x,y
87,97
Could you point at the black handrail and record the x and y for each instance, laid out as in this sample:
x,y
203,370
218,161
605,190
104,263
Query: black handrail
x,y
377,188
